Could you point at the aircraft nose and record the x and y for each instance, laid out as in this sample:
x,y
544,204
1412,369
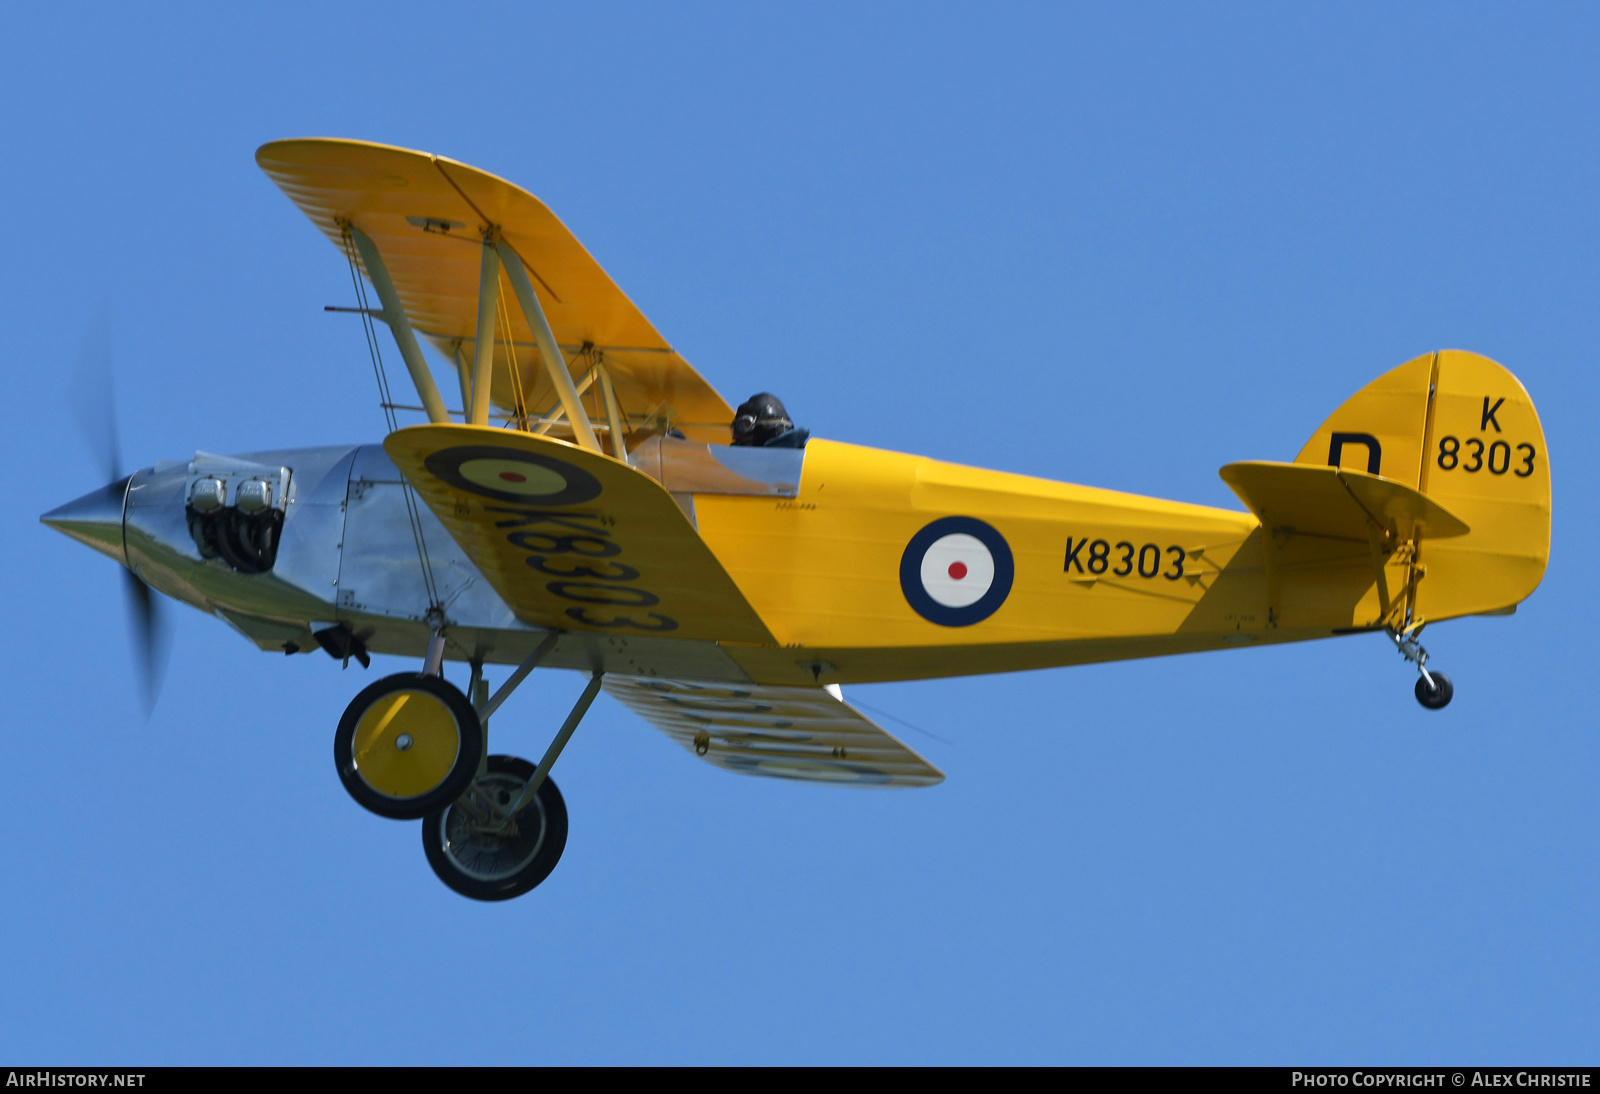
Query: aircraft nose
x,y
95,519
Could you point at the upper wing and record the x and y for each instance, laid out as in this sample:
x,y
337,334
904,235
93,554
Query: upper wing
x,y
572,539
425,213
790,733
1330,501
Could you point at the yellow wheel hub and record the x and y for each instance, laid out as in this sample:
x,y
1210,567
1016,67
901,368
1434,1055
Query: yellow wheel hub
x,y
406,744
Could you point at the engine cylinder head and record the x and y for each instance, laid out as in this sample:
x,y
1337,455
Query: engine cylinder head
x,y
253,496
208,495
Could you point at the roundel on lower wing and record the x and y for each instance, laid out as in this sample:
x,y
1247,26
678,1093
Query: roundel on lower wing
x,y
956,572
506,474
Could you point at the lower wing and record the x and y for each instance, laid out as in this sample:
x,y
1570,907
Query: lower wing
x,y
787,733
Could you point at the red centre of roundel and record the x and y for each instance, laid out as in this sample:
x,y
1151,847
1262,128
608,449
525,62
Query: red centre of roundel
x,y
958,570
512,476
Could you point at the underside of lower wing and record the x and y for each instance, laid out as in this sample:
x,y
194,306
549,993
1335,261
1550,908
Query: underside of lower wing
x,y
784,732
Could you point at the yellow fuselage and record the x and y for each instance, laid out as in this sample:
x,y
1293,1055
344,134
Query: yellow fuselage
x,y
1099,575
1426,496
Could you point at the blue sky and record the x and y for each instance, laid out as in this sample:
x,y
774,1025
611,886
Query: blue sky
x,y
1117,245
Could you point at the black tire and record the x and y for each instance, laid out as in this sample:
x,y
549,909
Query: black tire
x,y
486,867
469,748
1437,697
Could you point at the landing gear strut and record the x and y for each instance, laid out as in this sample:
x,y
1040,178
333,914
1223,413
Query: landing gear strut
x,y
412,746
1433,689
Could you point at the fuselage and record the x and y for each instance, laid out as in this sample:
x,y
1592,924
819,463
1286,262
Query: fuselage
x,y
821,543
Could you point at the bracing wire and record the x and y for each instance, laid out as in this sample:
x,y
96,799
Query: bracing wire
x,y
386,400
503,322
367,328
909,725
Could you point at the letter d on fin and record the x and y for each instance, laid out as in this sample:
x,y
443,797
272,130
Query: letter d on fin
x,y
1374,450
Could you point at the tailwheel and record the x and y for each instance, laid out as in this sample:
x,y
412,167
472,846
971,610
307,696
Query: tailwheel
x,y
481,849
408,745
1435,691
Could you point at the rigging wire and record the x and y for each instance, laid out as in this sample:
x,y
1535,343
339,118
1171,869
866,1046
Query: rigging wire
x,y
557,413
909,725
386,400
503,322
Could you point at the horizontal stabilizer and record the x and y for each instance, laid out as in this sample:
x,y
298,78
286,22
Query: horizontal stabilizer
x,y
1338,502
783,732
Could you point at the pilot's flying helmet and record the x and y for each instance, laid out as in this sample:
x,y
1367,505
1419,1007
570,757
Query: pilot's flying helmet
x,y
759,419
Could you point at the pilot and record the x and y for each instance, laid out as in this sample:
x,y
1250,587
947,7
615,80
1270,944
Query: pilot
x,y
761,422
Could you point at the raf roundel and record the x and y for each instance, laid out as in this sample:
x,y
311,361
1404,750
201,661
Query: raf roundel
x,y
956,572
508,474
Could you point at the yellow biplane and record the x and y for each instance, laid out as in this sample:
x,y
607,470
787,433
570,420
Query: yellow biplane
x,y
596,505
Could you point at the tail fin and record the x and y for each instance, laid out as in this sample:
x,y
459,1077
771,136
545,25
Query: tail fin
x,y
1461,429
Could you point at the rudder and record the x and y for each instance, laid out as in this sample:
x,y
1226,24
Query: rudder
x,y
1461,429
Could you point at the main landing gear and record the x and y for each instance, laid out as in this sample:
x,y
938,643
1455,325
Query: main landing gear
x,y
1433,689
498,840
408,745
412,747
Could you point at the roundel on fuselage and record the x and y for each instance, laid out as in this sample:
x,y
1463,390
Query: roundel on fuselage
x,y
956,572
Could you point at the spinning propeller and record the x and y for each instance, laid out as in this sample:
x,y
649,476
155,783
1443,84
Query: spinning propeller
x,y
91,395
